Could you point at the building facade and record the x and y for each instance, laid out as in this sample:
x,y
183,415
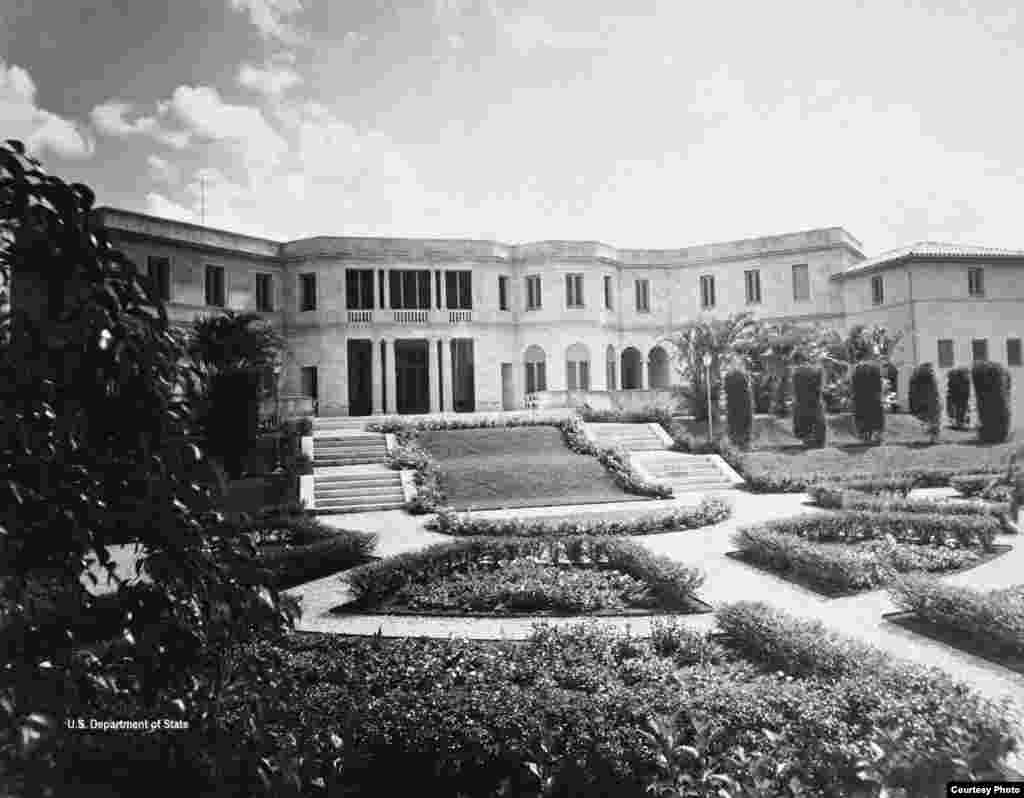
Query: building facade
x,y
422,325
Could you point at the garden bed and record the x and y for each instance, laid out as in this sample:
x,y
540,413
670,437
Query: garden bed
x,y
976,645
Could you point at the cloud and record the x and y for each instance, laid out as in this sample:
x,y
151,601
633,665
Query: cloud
x,y
109,118
271,17
270,80
37,128
159,205
161,170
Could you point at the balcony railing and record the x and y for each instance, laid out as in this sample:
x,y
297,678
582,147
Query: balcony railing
x,y
360,316
460,316
412,316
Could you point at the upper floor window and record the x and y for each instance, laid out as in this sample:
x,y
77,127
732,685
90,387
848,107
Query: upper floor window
x,y
1013,353
215,286
264,293
643,296
574,290
707,291
801,282
307,291
976,281
502,292
458,288
877,290
160,273
753,281
608,292
533,298
410,289
945,353
979,349
359,289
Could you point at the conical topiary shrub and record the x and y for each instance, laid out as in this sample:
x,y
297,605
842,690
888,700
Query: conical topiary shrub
x,y
924,399
958,396
868,411
992,395
808,406
739,408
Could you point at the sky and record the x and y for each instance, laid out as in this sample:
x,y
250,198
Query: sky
x,y
637,123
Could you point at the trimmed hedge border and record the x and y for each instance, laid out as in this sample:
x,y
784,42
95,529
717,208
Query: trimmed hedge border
x,y
672,582
900,482
710,511
408,454
971,485
841,498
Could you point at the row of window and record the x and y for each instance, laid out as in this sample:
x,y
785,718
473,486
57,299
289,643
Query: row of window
x,y
979,351
975,285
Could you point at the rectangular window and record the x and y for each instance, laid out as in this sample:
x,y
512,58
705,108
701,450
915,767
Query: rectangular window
x,y
307,291
608,292
945,353
1013,353
753,280
979,349
877,290
359,289
437,287
801,283
215,286
583,375
459,290
574,290
533,292
380,283
976,281
503,293
536,379
410,289
310,386
264,293
707,291
643,296
160,273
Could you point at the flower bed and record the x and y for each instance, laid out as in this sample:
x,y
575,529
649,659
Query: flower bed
x,y
709,511
408,454
981,485
989,623
377,585
840,497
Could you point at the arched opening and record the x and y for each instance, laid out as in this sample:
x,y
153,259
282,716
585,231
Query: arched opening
x,y
632,369
535,363
657,365
577,368
610,370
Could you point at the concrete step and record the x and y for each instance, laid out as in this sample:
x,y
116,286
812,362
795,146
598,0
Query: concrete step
x,y
349,451
359,495
349,441
341,507
357,479
334,462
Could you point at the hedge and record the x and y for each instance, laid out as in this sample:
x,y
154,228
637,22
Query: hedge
x,y
400,424
899,482
408,454
924,398
840,498
971,485
958,396
739,407
868,412
709,511
992,396
994,618
671,581
808,408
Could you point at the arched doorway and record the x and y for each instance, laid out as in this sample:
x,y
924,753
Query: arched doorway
x,y
535,364
610,361
657,365
632,369
577,368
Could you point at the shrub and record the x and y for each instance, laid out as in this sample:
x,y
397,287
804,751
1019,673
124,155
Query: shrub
x,y
924,399
958,396
868,412
292,564
839,498
994,618
619,464
686,646
783,395
709,511
971,485
408,454
808,407
740,408
992,396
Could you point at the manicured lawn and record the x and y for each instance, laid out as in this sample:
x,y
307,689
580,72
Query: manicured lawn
x,y
518,467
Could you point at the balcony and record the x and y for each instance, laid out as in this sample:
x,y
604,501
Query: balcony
x,y
460,316
360,317
412,316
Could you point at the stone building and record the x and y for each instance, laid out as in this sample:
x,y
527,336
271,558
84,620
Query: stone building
x,y
418,325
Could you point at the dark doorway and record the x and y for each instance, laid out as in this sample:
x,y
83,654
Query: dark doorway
x,y
463,377
360,385
412,380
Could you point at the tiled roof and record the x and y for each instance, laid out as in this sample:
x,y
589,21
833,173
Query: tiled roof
x,y
933,249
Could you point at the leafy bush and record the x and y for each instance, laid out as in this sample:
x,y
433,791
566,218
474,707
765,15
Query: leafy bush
x,y
924,399
958,396
401,424
408,454
868,411
783,395
619,464
994,618
992,396
672,582
709,511
841,498
971,485
739,407
808,408
289,564
836,566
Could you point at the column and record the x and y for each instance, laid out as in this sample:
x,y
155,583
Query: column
x,y
390,374
377,401
448,399
434,375
645,372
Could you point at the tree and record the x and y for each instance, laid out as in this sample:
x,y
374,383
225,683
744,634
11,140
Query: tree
x,y
841,354
808,408
924,399
95,395
958,396
740,407
868,411
992,395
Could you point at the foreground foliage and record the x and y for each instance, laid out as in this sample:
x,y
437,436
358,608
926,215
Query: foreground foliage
x,y
842,497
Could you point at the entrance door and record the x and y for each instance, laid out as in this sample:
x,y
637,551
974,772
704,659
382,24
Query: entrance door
x,y
412,380
360,390
463,383
508,388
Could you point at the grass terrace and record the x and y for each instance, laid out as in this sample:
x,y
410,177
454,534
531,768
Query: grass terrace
x,y
495,468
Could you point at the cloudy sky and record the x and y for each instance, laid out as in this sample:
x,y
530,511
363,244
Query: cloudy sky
x,y
637,123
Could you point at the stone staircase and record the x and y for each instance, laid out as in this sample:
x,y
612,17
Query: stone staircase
x,y
342,448
631,437
350,472
341,423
